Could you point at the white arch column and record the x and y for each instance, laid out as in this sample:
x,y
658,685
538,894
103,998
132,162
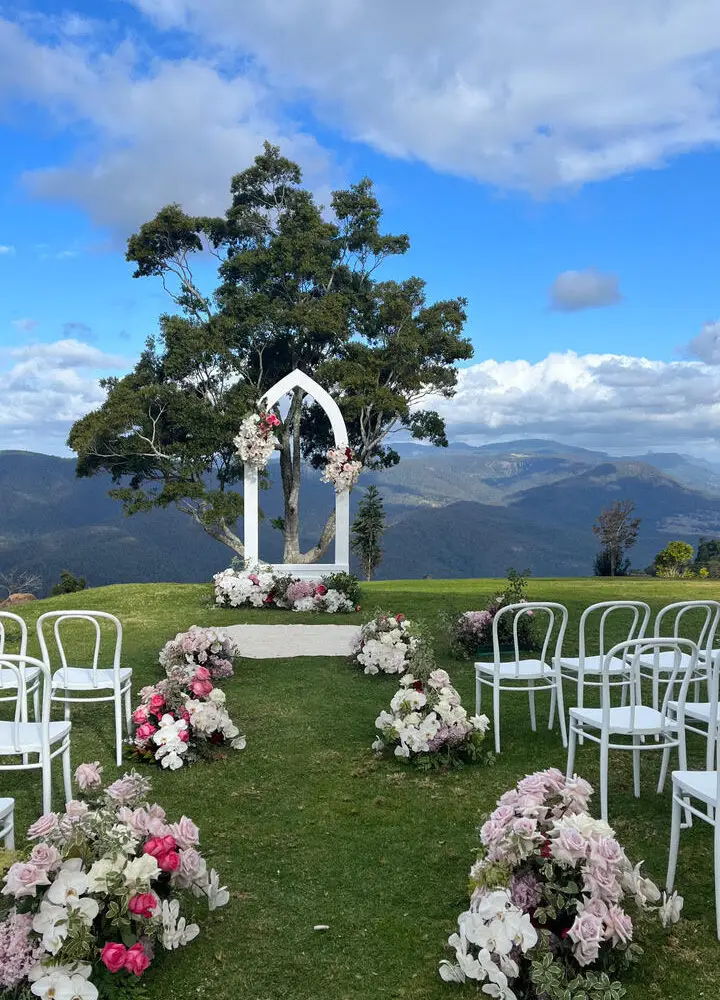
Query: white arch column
x,y
295,380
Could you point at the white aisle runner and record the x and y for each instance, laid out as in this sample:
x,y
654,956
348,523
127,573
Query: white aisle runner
x,y
268,642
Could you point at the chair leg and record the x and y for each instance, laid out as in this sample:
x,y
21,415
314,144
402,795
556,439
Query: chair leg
x,y
36,704
128,711
717,877
66,774
674,840
561,713
551,717
636,767
478,695
531,699
9,838
67,710
604,760
47,784
572,741
496,717
663,770
118,729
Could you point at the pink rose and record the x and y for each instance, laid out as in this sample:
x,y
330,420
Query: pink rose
x,y
45,856
156,704
143,904
200,688
503,814
185,832
113,956
139,716
576,794
183,736
535,785
88,776
157,846
184,714
569,846
169,862
43,826
202,674
145,731
136,961
321,590
23,879
602,882
74,809
618,926
587,934
606,852
190,865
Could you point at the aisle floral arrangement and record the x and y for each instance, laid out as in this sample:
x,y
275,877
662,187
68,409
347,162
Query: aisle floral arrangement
x,y
200,647
342,470
255,441
428,725
183,718
99,898
388,644
338,593
473,630
550,892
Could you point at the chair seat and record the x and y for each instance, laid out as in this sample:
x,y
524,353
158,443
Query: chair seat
x,y
593,664
648,721
6,807
29,736
699,710
84,679
9,679
666,661
525,670
700,784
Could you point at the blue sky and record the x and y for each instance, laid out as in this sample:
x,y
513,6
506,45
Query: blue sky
x,y
560,174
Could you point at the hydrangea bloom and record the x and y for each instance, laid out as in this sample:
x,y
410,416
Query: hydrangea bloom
x,y
255,441
385,645
341,469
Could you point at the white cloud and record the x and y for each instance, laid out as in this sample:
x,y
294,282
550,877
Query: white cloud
x,y
25,325
44,388
590,289
706,345
6,251
536,95
599,400
156,130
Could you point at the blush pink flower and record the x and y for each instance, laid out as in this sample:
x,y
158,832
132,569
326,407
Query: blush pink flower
x,y
157,703
46,856
569,846
602,882
202,674
200,688
587,934
618,926
145,731
139,716
23,879
43,826
606,852
88,776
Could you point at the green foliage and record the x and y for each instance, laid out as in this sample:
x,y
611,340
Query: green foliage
x,y
295,290
68,584
603,565
617,531
346,583
368,529
674,560
551,981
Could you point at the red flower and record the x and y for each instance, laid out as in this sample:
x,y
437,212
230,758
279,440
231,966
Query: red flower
x,y
157,703
139,716
545,851
113,956
169,862
184,714
269,599
272,420
399,618
418,685
183,735
143,904
157,846
145,731
321,589
136,961
217,737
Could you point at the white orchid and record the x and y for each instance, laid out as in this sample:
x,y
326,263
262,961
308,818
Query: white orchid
x,y
217,895
58,986
670,909
176,931
51,922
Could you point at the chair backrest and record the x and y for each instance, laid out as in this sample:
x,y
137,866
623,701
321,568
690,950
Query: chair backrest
x,y
677,677
704,637
546,612
6,617
94,619
639,618
18,665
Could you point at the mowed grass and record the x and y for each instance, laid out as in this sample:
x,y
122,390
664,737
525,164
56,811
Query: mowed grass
x,y
307,828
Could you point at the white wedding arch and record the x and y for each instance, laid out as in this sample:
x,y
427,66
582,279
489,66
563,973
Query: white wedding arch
x,y
297,379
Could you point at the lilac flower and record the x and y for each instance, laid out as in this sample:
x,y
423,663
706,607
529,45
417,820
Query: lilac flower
x,y
525,891
19,952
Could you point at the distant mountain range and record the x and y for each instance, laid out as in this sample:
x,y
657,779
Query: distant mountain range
x,y
454,512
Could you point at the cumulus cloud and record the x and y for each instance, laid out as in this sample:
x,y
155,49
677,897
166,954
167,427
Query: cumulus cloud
x,y
44,388
154,129
25,325
590,289
534,96
599,400
706,345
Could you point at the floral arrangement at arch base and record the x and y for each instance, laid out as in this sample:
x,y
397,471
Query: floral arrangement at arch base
x,y
390,644
548,916
183,718
428,725
99,898
261,587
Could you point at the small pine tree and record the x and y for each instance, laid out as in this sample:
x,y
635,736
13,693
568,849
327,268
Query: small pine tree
x,y
68,584
367,531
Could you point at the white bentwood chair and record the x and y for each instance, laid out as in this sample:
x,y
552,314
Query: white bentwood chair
x,y
703,786
524,675
658,667
7,823
7,677
636,721
703,717
44,739
585,669
87,685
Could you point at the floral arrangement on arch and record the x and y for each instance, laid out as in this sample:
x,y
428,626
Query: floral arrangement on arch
x,y
100,895
342,470
473,630
388,644
255,441
183,718
428,724
262,588
550,893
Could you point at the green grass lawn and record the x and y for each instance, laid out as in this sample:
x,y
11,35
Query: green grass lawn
x,y
306,827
